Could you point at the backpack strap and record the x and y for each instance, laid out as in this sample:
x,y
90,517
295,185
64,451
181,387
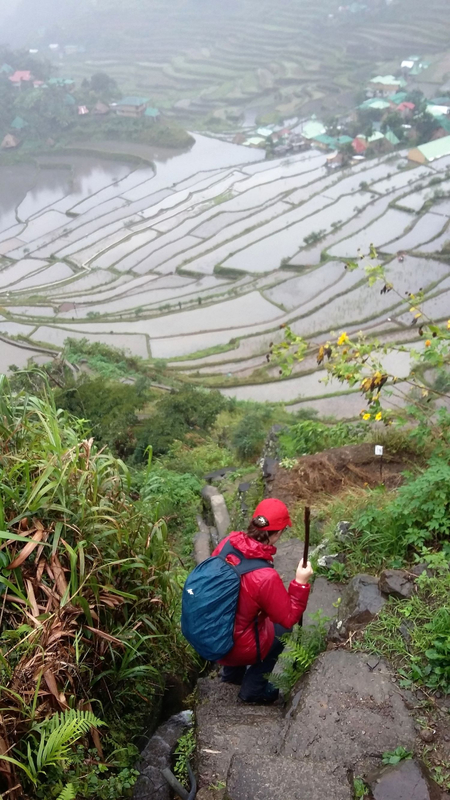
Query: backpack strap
x,y
245,565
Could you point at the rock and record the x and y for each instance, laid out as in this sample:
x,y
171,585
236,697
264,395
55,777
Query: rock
x,y
253,778
208,793
157,756
361,602
219,510
364,714
427,735
405,630
343,531
408,780
202,542
269,468
418,569
326,561
396,582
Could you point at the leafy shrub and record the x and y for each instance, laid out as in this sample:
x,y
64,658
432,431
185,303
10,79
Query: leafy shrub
x,y
177,414
93,563
303,646
308,437
249,436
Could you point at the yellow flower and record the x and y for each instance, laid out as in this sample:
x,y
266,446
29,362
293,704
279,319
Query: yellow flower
x,y
366,416
448,324
428,343
378,416
343,339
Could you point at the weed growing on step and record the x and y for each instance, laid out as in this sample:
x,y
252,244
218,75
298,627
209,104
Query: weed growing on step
x,y
184,752
360,789
303,646
395,756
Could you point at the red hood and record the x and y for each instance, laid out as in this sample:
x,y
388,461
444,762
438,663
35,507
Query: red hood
x,y
250,548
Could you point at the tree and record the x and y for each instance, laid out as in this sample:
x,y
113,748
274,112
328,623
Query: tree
x,y
103,85
360,362
176,415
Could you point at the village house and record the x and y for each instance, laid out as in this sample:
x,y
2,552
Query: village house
x,y
152,113
100,109
384,85
132,107
18,124
21,76
432,151
10,142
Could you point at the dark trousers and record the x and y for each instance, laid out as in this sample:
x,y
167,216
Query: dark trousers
x,y
253,680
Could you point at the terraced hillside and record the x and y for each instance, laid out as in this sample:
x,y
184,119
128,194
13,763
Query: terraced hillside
x,y
200,58
219,260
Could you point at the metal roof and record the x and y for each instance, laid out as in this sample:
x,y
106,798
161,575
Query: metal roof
x,y
437,149
133,101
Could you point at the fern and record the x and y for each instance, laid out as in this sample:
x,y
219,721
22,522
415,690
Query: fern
x,y
302,647
57,735
68,793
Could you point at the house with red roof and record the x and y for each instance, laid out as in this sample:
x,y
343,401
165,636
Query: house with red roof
x,y
405,109
360,145
21,76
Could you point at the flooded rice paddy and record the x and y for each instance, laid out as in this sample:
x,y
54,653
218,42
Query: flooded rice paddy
x,y
212,248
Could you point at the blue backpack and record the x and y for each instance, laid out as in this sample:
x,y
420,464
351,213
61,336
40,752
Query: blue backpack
x,y
209,602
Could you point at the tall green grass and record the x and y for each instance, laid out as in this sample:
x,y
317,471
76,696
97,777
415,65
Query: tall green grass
x,y
89,589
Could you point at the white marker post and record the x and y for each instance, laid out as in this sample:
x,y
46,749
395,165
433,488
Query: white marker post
x,y
379,450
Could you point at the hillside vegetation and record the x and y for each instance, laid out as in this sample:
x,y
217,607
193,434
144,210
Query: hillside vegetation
x,y
101,485
217,55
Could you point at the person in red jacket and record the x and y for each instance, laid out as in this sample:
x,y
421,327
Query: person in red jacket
x,y
265,609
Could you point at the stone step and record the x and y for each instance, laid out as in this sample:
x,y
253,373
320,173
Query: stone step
x,y
281,778
226,727
347,711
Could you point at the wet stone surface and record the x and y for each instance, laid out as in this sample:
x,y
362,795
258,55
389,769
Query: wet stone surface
x,y
408,780
361,602
397,582
157,756
346,713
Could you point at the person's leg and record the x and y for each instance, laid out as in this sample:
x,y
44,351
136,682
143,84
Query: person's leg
x,y
255,683
233,675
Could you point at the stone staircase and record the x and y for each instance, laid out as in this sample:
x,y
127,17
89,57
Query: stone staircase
x,y
340,720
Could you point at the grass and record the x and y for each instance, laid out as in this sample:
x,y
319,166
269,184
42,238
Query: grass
x,y
414,634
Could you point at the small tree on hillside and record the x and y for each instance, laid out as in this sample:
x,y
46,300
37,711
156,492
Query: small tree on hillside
x,y
358,361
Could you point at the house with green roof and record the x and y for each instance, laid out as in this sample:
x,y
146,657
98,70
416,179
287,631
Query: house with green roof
x,y
18,124
432,151
398,97
312,128
5,69
375,103
391,137
152,113
132,106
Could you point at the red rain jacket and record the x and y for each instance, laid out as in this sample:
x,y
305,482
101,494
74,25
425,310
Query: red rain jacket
x,y
262,593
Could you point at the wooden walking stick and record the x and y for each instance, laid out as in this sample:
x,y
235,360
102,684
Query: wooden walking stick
x,y
307,527
307,519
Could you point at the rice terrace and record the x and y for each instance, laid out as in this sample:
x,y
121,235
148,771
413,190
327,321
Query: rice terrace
x,y
208,252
